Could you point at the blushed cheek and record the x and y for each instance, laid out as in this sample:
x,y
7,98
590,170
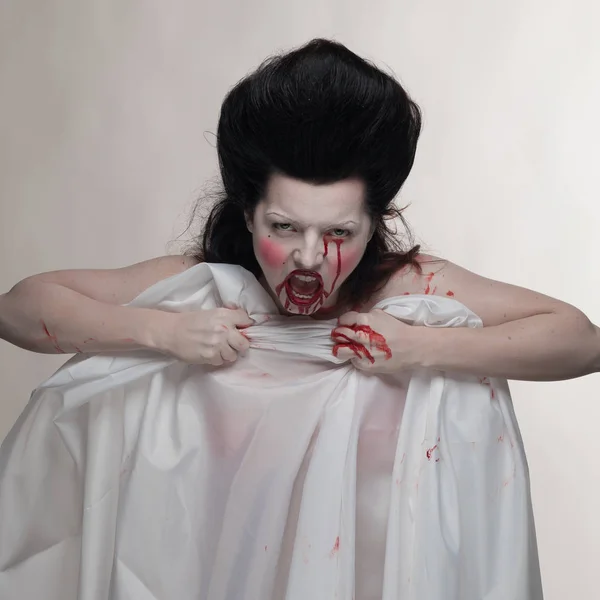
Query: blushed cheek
x,y
271,253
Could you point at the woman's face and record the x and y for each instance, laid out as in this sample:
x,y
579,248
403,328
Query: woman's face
x,y
308,239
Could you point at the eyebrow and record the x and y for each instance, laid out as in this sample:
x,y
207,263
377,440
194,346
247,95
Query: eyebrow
x,y
271,213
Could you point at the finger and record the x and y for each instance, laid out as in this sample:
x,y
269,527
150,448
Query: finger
x,y
352,350
215,361
238,340
228,354
345,333
349,318
362,364
343,352
240,318
354,318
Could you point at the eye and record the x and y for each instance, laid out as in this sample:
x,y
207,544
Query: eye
x,y
283,227
339,232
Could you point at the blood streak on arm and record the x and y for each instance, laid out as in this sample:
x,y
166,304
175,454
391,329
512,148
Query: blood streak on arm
x,y
53,339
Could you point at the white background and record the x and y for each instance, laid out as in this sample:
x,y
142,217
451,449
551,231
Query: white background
x,y
104,106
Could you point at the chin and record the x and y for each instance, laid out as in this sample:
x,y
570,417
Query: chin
x,y
301,310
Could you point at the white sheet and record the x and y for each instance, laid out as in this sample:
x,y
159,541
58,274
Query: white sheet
x,y
288,475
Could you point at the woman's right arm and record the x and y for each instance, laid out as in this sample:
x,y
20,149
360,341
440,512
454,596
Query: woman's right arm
x,y
65,312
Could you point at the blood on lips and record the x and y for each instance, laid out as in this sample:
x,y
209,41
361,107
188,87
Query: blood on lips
x,y
305,288
304,284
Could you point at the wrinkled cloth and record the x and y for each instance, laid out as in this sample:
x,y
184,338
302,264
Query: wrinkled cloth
x,y
286,475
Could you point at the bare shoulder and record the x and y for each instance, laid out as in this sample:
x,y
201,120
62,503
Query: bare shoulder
x,y
495,302
431,278
120,285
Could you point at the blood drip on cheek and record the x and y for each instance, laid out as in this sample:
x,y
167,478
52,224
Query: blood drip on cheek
x,y
338,242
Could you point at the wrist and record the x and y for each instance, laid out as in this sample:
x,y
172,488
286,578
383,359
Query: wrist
x,y
153,329
435,343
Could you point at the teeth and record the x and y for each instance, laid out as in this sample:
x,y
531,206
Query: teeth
x,y
303,296
307,278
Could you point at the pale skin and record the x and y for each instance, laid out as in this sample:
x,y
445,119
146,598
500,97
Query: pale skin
x,y
299,227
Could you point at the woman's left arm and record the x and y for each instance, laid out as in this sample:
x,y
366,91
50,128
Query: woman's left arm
x,y
526,335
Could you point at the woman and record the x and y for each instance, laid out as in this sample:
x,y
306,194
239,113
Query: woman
x,y
313,148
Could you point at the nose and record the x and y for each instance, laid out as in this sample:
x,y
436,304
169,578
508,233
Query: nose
x,y
309,255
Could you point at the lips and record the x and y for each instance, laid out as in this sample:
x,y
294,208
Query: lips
x,y
303,288
305,285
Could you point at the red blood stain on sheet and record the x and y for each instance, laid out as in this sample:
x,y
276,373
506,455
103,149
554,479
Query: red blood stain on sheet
x,y
336,547
53,339
500,438
430,452
486,381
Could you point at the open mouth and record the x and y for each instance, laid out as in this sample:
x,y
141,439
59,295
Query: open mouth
x,y
303,288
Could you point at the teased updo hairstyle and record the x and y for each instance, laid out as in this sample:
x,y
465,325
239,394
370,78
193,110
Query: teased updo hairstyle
x,y
320,114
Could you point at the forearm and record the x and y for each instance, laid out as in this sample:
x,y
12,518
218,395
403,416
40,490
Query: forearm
x,y
547,347
52,319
